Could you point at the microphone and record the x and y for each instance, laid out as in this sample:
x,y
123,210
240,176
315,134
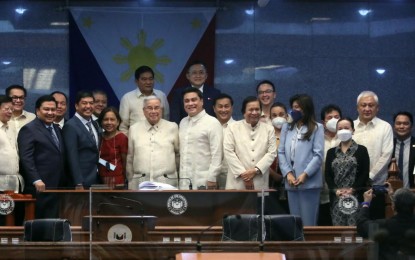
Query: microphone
x,y
141,209
127,199
198,243
178,180
100,205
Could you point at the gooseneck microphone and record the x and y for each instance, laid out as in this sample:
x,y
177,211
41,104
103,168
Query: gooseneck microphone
x,y
178,181
199,237
102,204
141,209
127,199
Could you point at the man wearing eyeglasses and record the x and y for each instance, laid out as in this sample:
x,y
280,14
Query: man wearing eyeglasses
x,y
266,96
196,75
20,116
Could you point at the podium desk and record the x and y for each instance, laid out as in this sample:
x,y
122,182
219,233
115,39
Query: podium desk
x,y
230,256
119,228
172,208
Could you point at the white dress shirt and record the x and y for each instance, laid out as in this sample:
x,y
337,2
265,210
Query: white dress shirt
x,y
246,147
131,108
19,121
201,138
377,137
154,151
9,160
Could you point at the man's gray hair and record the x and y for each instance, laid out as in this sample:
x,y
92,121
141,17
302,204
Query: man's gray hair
x,y
367,93
404,201
152,97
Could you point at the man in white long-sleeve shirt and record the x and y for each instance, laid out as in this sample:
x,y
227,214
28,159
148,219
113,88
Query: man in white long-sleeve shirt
x,y
250,148
201,137
377,136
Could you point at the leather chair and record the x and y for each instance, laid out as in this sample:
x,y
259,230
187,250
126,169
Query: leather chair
x,y
47,230
283,228
244,227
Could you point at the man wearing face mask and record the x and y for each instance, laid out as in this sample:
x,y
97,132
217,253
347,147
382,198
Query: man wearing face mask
x,y
330,114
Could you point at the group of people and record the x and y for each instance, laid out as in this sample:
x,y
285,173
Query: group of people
x,y
319,168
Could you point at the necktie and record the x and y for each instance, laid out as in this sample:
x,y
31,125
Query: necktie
x,y
400,160
54,137
91,132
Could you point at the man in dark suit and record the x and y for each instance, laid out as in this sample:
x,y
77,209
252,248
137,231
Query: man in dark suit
x,y
197,75
81,135
395,235
41,151
402,128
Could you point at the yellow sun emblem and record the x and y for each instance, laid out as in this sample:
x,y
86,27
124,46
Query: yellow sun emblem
x,y
140,55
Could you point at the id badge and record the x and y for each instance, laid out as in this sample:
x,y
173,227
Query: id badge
x,y
106,164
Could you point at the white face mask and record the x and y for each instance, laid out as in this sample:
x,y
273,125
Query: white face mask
x,y
278,122
331,125
344,135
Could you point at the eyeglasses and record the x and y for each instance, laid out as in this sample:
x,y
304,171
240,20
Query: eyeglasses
x,y
7,109
268,91
18,97
152,108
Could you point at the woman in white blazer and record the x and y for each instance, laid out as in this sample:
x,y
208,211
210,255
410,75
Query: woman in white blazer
x,y
300,155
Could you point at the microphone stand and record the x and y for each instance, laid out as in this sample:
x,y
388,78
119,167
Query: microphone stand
x,y
178,180
263,231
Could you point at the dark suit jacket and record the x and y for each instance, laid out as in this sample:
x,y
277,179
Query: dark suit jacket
x,y
41,159
411,162
177,112
396,236
82,152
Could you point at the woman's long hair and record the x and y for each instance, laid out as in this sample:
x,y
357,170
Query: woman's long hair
x,y
306,104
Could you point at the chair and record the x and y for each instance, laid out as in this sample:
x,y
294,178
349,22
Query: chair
x,y
244,227
283,228
47,230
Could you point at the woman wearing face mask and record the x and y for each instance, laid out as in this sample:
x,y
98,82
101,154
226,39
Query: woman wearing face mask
x,y
347,173
300,156
278,116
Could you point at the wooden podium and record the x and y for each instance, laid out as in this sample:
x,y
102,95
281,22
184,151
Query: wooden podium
x,y
29,203
230,256
119,228
201,207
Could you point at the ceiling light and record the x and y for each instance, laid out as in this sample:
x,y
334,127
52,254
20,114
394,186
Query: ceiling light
x,y
249,11
229,61
380,71
20,10
364,12
6,62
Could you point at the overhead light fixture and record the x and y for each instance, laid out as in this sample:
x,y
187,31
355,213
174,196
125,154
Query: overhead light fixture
x,y
6,62
380,71
249,11
20,10
364,12
229,61
320,19
59,23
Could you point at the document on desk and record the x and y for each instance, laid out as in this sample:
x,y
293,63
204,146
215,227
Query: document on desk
x,y
152,185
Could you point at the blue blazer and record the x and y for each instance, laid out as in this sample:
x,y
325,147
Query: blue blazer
x,y
308,156
82,152
177,112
